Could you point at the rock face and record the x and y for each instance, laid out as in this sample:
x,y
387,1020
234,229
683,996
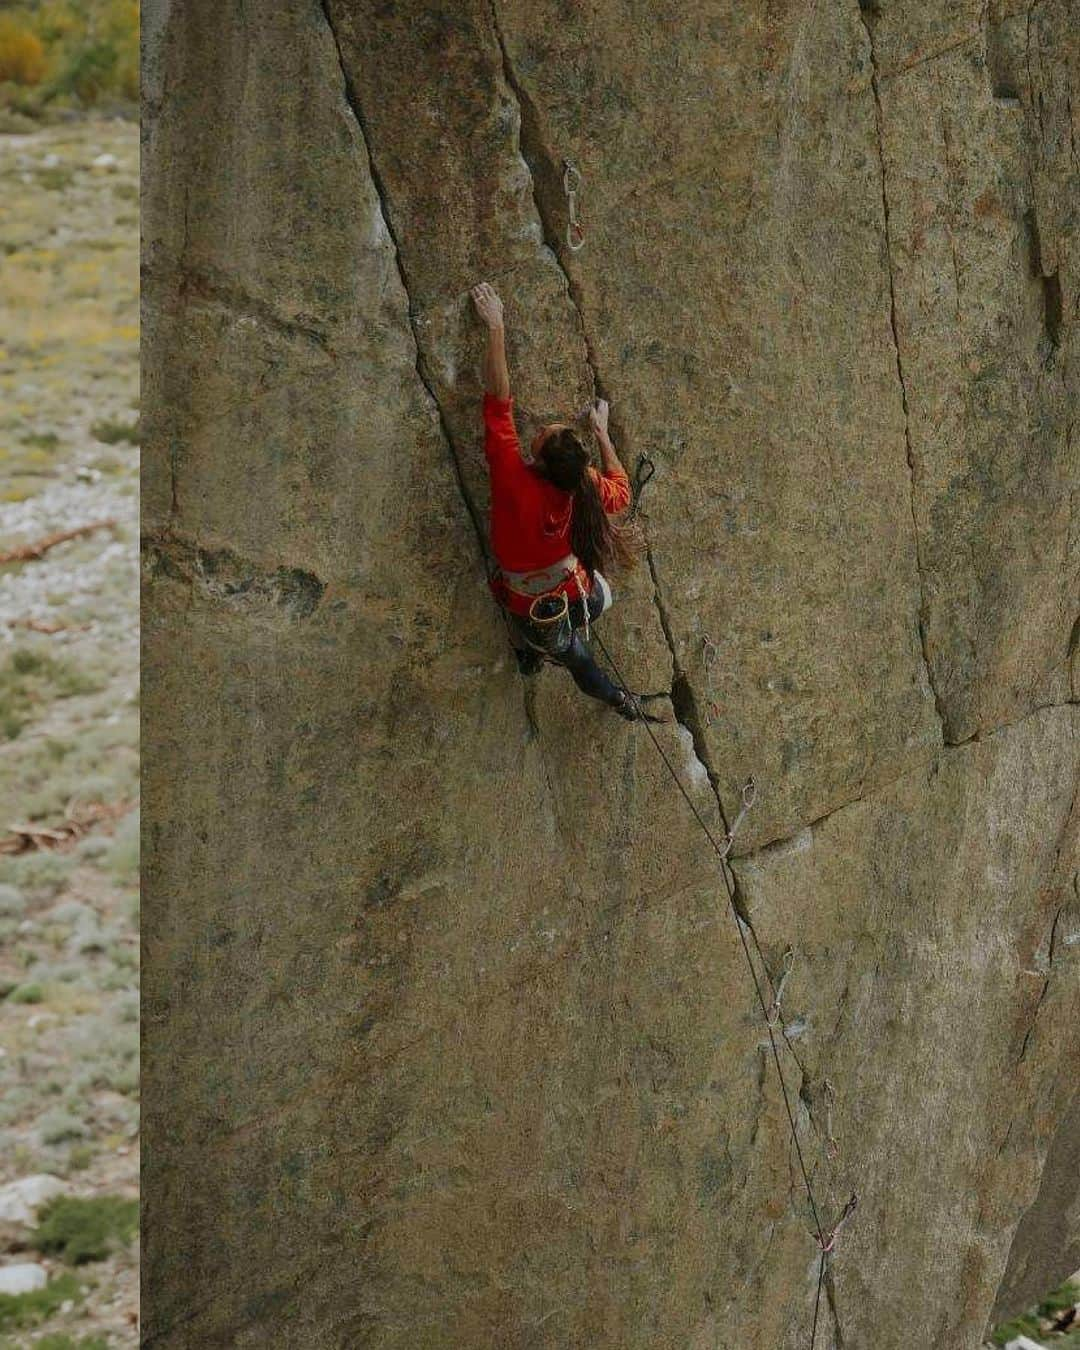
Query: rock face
x,y
450,1039
1046,1249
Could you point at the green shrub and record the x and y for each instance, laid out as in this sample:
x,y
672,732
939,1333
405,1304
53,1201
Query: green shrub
x,y
29,677
26,993
60,1341
42,874
27,1310
69,52
41,440
59,1127
111,432
80,1230
1027,1324
1066,1296
80,1156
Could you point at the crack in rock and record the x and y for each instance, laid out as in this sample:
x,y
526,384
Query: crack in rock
x,y
1050,955
352,102
867,10
544,176
200,284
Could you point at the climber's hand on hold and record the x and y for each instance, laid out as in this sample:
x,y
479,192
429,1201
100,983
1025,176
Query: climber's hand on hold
x,y
488,305
490,309
598,417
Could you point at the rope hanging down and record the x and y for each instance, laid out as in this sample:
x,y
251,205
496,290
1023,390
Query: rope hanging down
x,y
826,1240
770,1012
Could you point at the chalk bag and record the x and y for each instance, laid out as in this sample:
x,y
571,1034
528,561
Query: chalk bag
x,y
549,620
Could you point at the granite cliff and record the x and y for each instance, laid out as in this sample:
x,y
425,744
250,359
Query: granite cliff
x,y
449,1040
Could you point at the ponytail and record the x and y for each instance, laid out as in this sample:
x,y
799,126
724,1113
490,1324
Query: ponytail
x,y
600,542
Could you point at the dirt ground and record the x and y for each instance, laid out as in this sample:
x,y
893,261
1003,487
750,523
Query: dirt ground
x,y
69,691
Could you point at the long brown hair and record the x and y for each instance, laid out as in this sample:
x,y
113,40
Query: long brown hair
x,y
599,541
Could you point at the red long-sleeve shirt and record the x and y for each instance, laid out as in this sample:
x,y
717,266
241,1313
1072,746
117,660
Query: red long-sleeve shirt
x,y
530,516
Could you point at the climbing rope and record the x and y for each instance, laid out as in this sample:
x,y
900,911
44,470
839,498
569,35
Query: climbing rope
x,y
772,1012
826,1241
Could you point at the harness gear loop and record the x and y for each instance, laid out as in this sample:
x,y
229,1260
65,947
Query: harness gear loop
x,y
575,235
775,1011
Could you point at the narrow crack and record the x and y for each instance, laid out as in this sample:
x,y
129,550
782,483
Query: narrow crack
x,y
353,103
982,734
222,574
544,176
879,122
201,284
976,738
830,1295
545,183
1051,952
545,179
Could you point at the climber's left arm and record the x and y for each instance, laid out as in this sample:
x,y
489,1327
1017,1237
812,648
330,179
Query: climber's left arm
x,y
613,484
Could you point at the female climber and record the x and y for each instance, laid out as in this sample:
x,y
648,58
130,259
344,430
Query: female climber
x,y
551,525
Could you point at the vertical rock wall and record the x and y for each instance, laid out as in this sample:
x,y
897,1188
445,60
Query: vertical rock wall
x,y
449,1038
1046,1248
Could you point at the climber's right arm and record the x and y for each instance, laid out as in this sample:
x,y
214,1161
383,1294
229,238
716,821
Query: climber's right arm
x,y
496,372
501,445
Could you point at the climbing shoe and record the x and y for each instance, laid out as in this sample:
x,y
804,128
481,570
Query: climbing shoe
x,y
628,707
631,709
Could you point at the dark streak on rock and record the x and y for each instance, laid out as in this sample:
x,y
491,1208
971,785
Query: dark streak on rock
x,y
199,284
222,574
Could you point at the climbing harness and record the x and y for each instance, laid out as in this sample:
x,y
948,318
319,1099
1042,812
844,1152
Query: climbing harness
x,y
643,474
571,181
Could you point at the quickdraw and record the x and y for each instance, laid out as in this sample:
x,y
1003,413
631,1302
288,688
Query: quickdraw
x,y
748,793
775,1015
828,1241
643,475
575,235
